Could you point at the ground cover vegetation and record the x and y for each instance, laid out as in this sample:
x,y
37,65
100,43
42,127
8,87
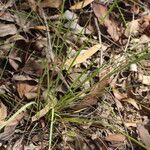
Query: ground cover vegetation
x,y
74,74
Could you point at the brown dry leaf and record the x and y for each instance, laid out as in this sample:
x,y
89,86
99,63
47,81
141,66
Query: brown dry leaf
x,y
123,97
133,28
91,99
139,25
14,61
145,22
3,112
18,145
132,102
10,128
119,95
51,3
116,138
33,68
6,16
144,135
8,132
101,13
7,29
84,56
86,102
82,4
98,88
24,89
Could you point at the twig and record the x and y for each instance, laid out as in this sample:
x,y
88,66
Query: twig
x,y
49,52
99,39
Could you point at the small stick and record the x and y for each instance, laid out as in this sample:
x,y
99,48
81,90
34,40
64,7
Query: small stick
x,y
49,52
99,39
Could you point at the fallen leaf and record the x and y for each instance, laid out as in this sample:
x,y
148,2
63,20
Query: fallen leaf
x,y
33,68
101,13
3,112
116,138
8,132
82,4
123,97
6,16
133,28
18,145
84,56
86,102
14,61
11,126
118,95
144,135
15,118
144,79
27,90
132,102
138,26
51,3
7,29
92,98
145,24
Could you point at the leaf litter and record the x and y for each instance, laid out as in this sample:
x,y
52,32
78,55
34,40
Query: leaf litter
x,y
97,83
